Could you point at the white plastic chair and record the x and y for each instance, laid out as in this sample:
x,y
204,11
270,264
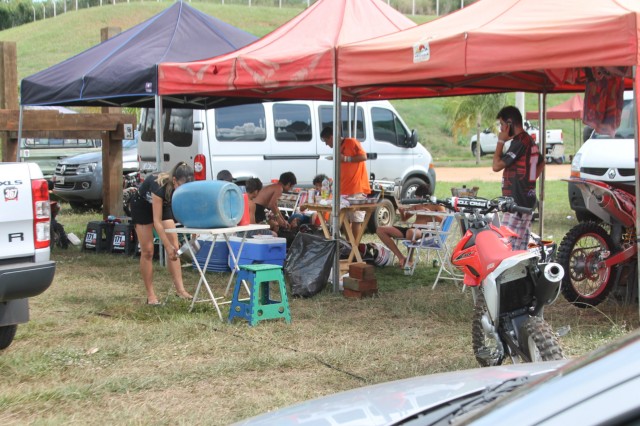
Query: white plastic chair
x,y
434,239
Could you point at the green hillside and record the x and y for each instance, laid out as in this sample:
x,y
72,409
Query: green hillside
x,y
44,43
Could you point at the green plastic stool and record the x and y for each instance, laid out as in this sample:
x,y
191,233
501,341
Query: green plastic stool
x,y
260,306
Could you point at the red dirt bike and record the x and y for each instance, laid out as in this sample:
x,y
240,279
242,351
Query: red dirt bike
x,y
510,287
596,259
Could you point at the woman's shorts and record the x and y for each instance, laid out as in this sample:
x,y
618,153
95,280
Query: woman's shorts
x,y
141,211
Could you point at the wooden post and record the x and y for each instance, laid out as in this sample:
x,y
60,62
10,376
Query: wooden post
x,y
8,94
111,156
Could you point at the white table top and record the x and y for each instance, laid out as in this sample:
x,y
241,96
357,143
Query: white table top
x,y
217,231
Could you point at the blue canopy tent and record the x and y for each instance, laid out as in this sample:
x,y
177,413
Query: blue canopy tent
x,y
123,70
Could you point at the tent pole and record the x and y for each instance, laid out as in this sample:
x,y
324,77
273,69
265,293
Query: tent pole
x,y
542,105
335,208
159,155
20,118
636,92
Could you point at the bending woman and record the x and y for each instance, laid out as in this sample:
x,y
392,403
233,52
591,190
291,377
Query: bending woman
x,y
150,209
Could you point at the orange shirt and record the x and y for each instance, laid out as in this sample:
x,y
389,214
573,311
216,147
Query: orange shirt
x,y
354,177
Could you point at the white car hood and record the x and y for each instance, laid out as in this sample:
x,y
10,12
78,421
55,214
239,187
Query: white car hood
x,y
386,403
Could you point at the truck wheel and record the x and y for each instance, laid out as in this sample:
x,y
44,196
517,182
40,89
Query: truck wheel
x,y
474,147
385,215
7,333
410,186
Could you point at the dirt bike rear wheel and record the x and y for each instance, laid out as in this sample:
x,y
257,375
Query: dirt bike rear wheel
x,y
585,284
485,347
538,341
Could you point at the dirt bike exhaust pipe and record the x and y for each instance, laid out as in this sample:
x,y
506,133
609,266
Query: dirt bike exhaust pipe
x,y
548,285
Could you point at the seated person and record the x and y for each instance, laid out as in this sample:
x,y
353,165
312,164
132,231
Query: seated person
x,y
388,233
268,197
304,216
253,188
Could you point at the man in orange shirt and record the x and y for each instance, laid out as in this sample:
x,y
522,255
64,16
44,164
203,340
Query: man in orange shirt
x,y
354,178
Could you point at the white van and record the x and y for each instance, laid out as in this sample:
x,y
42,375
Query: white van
x,y
607,159
266,139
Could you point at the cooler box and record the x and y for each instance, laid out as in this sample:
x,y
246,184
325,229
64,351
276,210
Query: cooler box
x,y
259,250
219,258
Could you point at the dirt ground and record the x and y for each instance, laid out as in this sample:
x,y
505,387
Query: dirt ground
x,y
485,174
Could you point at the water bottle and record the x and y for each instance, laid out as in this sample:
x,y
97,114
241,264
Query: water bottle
x,y
324,193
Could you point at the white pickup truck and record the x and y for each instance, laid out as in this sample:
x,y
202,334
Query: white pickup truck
x,y
555,142
25,220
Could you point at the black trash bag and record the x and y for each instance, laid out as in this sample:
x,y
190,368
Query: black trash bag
x,y
345,249
308,264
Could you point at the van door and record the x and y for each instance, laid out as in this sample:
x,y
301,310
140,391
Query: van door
x,y
389,155
293,146
325,118
239,141
178,139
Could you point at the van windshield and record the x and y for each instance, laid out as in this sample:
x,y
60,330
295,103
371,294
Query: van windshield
x,y
627,123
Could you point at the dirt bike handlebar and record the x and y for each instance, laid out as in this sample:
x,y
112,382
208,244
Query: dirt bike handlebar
x,y
472,204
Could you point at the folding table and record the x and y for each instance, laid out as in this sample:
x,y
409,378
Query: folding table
x,y
345,225
215,232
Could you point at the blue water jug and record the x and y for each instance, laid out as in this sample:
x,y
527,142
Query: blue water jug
x,y
208,204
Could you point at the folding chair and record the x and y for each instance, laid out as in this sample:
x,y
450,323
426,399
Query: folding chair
x,y
435,239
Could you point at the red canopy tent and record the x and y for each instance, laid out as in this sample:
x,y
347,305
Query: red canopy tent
x,y
295,61
571,109
537,46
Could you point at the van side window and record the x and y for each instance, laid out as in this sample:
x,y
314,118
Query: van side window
x,y
292,122
178,126
241,123
326,119
387,127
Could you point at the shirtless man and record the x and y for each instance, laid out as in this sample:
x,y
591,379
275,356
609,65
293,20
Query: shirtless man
x,y
268,197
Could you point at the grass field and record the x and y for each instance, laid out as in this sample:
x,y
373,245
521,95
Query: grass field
x,y
94,353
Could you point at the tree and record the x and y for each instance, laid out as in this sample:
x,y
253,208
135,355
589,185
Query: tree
x,y
463,112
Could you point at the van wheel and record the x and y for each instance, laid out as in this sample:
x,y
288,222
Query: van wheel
x,y
385,215
410,186
7,333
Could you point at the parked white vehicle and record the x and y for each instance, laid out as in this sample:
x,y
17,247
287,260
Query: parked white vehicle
x,y
489,141
266,139
25,267
607,159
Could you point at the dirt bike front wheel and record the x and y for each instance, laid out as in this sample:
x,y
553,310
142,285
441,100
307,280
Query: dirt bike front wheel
x,y
538,341
487,350
586,282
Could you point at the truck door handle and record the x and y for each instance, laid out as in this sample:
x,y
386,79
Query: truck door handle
x,y
372,156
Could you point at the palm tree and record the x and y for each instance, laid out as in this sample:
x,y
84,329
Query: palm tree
x,y
463,112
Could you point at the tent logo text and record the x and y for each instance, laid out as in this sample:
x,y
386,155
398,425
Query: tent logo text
x,y
421,52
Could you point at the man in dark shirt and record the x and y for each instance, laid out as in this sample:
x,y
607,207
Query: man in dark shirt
x,y
521,165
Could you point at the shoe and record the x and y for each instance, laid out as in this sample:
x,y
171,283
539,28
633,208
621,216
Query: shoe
x,y
156,303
